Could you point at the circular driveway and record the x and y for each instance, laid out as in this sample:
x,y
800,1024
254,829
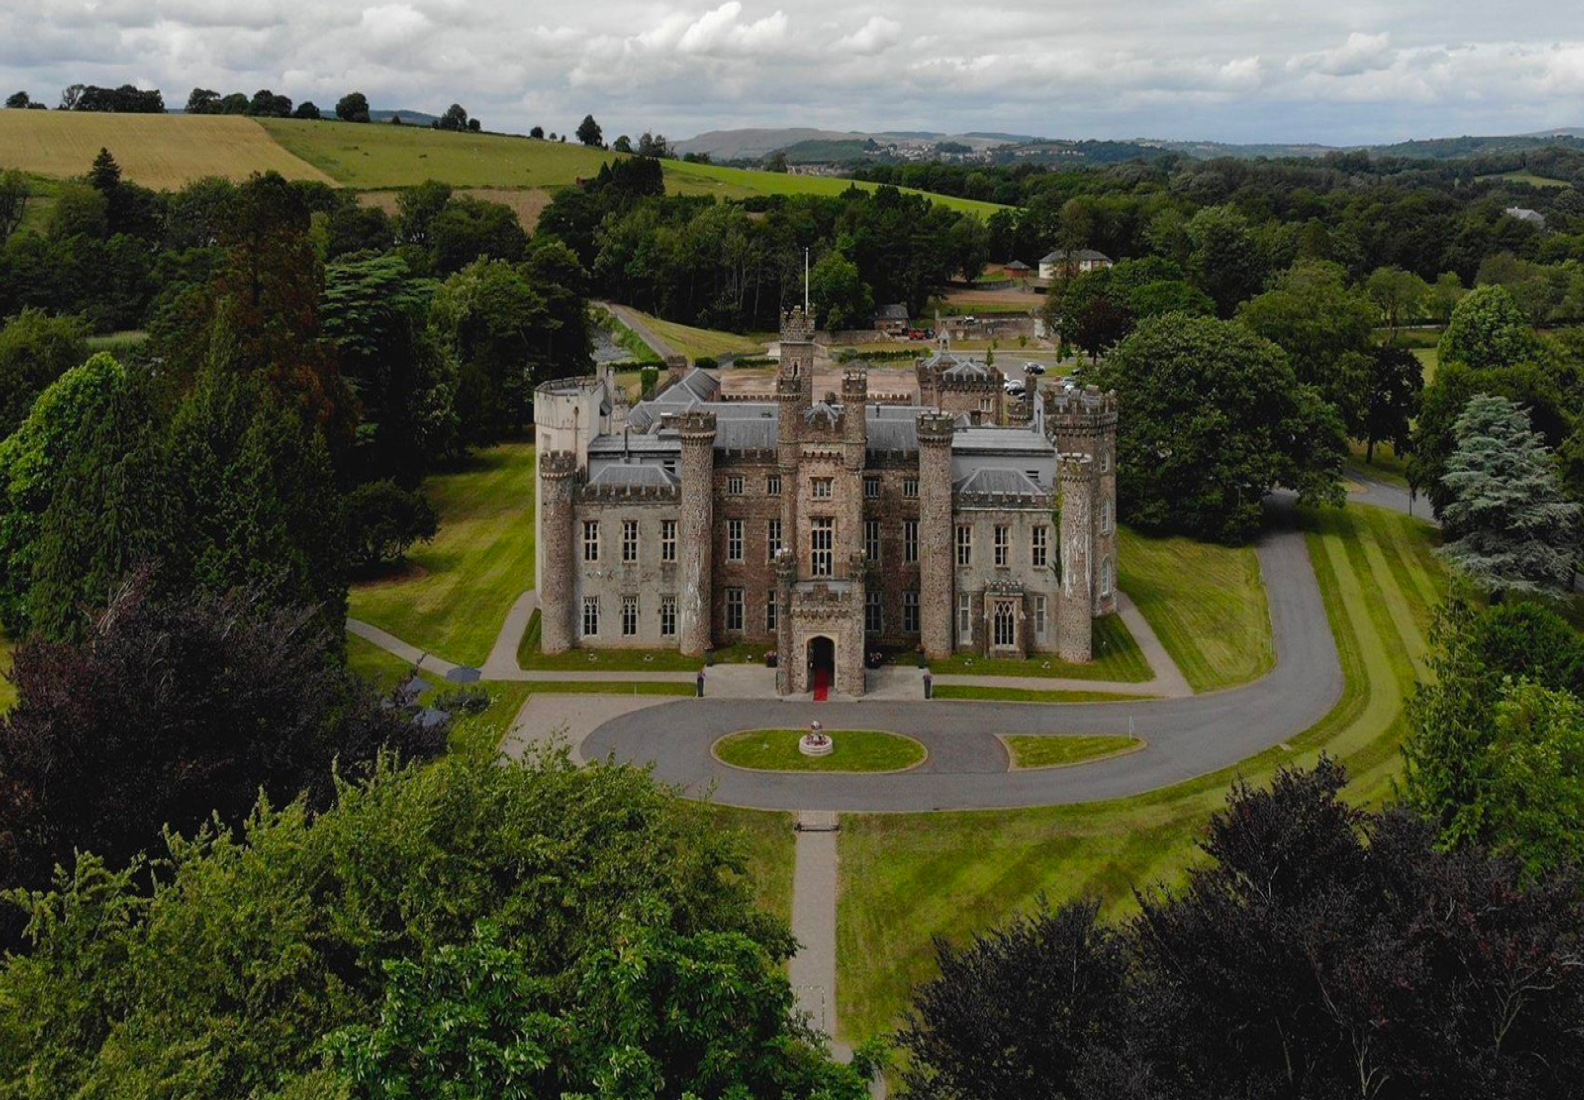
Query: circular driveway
x,y
967,765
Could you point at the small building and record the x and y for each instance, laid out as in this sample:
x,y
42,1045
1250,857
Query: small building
x,y
1017,269
892,320
1524,214
1064,262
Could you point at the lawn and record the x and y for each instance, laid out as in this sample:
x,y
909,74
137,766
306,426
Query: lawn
x,y
1431,358
452,596
1056,751
118,343
1204,601
158,151
851,751
738,183
699,343
484,731
1117,658
1028,695
906,878
379,156
600,660
769,849
1389,466
383,670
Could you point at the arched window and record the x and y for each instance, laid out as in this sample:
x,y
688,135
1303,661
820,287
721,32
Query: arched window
x,y
1105,578
1105,516
1005,626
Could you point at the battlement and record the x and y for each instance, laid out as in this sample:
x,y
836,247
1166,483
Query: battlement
x,y
1001,500
1081,404
936,428
1074,467
797,327
557,464
625,494
694,426
855,386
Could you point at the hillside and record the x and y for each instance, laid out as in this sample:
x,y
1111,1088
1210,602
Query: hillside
x,y
738,183
159,151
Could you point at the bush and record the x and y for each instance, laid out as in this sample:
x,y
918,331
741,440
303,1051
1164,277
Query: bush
x,y
705,362
383,520
648,379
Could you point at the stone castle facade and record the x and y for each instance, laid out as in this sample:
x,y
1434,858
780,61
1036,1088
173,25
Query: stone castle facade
x,y
826,526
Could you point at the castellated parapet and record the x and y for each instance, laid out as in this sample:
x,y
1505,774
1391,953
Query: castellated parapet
x,y
797,326
1075,603
557,482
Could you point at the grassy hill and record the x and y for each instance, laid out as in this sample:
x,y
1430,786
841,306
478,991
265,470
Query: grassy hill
x,y
159,151
737,183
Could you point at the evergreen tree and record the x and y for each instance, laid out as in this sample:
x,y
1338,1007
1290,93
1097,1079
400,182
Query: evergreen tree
x,y
1512,528
105,174
589,133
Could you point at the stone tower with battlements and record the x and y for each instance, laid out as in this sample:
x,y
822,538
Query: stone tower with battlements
x,y
1075,600
1084,421
935,533
557,487
696,530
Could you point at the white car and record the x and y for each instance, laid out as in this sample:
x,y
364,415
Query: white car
x,y
1013,387
1033,368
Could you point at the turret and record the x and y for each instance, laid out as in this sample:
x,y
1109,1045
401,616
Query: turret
x,y
1084,421
855,424
936,571
696,529
1075,602
557,478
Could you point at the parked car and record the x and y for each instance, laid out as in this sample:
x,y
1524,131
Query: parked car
x,y
1014,387
1033,368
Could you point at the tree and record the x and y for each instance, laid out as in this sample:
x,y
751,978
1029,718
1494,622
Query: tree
x,y
1216,420
492,321
170,712
588,132
1316,951
203,101
1398,294
1512,528
1224,259
1491,753
418,207
455,119
422,906
35,350
469,229
1445,294
353,107
266,104
105,174
383,521
307,109
1488,329
655,145
842,300
536,132
1396,379
14,192
622,144
71,96
18,101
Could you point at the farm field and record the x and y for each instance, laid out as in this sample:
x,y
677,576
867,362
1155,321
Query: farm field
x,y
1205,603
158,151
738,183
453,594
698,343
906,878
1527,177
526,203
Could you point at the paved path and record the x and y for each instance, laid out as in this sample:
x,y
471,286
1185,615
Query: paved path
x,y
967,765
426,661
812,971
643,331
1383,494
503,654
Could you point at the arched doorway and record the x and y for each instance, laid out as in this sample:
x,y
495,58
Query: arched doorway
x,y
821,666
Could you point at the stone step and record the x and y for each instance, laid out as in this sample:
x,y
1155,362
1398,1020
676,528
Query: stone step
x,y
817,821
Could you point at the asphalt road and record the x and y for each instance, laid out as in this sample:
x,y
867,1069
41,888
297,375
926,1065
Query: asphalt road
x,y
967,765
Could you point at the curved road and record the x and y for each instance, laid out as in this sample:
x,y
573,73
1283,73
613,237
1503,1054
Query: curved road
x,y
967,765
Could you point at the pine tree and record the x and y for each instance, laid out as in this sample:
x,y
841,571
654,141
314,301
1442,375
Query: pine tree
x,y
1513,529
105,175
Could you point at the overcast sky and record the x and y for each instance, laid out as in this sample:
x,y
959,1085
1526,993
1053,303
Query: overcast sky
x,y
1333,71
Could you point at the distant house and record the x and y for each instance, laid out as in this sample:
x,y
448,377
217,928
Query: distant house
x,y
1055,263
892,319
1018,269
1524,214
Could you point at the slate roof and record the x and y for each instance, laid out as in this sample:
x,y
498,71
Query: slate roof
x,y
1006,482
1001,441
630,475
1061,256
894,312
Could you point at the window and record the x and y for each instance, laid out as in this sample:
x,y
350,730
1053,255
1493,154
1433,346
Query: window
x,y
1105,462
734,485
1039,549
872,488
668,540
822,546
1005,624
874,617
1105,578
910,487
629,540
1039,616
1033,475
772,538
772,605
590,540
734,609
964,619
984,404
910,623
965,545
1105,516
910,541
668,616
773,485
872,539
822,488
629,616
1003,545
590,616
734,540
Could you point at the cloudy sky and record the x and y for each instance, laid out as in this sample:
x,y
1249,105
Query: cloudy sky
x,y
1334,71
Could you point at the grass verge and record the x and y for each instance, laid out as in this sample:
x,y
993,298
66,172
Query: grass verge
x,y
452,596
906,878
1056,751
1028,695
1205,603
851,751
1117,658
599,660
769,853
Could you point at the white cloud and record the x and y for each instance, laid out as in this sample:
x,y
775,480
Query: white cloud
x,y
875,36
1361,53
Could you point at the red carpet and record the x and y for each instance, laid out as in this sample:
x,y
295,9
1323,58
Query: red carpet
x,y
821,685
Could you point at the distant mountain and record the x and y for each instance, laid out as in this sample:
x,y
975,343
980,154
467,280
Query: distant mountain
x,y
753,144
412,118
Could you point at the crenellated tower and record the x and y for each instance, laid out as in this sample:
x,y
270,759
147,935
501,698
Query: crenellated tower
x,y
936,572
696,530
1084,421
557,484
1075,603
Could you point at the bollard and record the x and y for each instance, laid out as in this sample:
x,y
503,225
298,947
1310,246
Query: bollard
x,y
929,686
701,683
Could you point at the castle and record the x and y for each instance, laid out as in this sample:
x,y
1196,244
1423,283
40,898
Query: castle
x,y
830,526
